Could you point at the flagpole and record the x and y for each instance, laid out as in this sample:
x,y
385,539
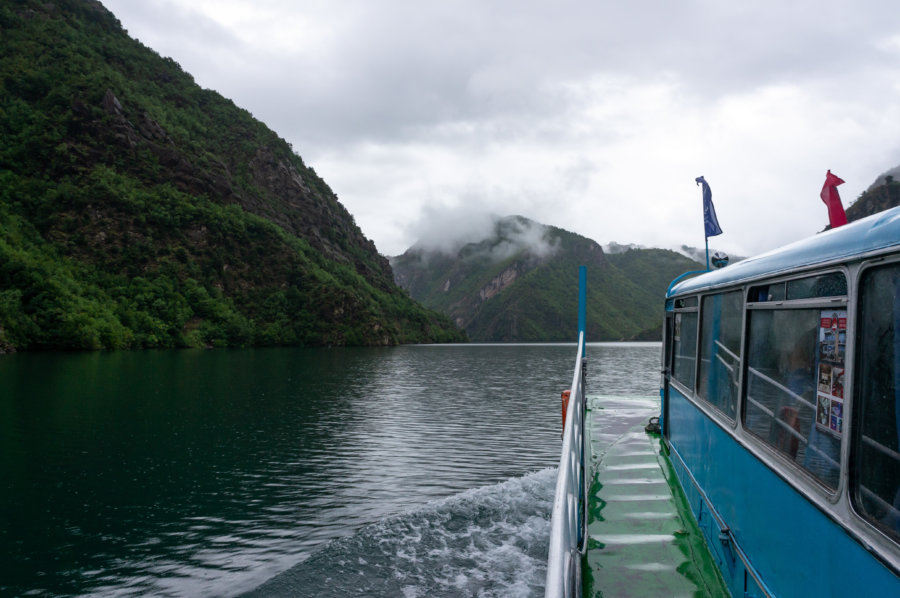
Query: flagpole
x,y
710,222
707,252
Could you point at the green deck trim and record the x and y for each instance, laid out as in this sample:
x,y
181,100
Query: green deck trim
x,y
643,538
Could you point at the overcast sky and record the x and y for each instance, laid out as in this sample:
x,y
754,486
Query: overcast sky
x,y
593,116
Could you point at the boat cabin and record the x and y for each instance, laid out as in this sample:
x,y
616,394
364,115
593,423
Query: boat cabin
x,y
781,409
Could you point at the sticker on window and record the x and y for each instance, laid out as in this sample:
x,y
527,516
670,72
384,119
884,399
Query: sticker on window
x,y
830,390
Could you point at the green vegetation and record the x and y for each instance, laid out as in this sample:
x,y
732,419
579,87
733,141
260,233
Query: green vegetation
x,y
139,210
498,290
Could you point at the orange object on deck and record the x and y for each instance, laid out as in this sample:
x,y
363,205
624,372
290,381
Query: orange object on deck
x,y
565,405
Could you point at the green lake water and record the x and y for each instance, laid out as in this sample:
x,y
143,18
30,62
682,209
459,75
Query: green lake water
x,y
408,471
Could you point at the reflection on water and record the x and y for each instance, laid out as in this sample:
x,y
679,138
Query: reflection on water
x,y
208,472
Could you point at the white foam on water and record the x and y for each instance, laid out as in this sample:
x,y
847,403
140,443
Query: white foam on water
x,y
488,542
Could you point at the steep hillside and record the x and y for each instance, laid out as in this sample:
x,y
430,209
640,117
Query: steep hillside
x,y
139,210
878,198
520,284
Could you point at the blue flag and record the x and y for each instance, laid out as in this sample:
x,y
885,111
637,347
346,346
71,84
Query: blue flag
x,y
710,222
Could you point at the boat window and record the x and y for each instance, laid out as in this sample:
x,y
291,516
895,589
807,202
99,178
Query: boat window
x,y
833,284
686,302
684,347
766,292
795,374
720,347
875,470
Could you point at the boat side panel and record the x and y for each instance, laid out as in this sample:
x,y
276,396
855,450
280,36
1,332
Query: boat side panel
x,y
735,575
795,547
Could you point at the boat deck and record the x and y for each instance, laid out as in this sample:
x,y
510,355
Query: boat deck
x,y
643,540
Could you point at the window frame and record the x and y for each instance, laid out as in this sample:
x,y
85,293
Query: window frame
x,y
689,304
843,302
874,532
731,419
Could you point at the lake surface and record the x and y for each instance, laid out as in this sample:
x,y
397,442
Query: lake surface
x,y
408,471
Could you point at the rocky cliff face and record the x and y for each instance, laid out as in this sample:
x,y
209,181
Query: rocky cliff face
x,y
499,282
278,190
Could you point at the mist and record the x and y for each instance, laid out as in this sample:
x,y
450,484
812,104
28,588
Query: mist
x,y
447,230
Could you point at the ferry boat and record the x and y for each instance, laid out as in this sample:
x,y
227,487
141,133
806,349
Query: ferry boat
x,y
779,437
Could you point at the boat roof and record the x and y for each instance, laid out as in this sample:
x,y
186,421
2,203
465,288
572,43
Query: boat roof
x,y
869,235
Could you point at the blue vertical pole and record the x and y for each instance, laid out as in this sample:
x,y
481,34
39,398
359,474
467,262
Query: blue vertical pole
x,y
707,254
582,304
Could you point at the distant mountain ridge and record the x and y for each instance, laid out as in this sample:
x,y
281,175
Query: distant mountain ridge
x,y
139,210
503,289
890,175
883,194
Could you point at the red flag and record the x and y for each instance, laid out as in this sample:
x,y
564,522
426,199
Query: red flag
x,y
829,194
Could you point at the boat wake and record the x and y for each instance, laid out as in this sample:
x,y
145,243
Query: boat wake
x,y
490,541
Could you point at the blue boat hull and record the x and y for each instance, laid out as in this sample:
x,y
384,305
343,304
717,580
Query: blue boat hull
x,y
791,544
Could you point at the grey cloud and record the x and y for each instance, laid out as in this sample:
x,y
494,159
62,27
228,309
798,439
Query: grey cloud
x,y
563,101
523,235
172,29
397,69
448,230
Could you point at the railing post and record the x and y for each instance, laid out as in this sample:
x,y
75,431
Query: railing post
x,y
568,534
582,334
582,302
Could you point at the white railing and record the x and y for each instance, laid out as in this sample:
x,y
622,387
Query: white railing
x,y
568,523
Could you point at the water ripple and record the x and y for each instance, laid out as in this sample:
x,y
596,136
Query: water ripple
x,y
205,473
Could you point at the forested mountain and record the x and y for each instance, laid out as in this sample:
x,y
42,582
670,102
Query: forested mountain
x,y
139,210
520,283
